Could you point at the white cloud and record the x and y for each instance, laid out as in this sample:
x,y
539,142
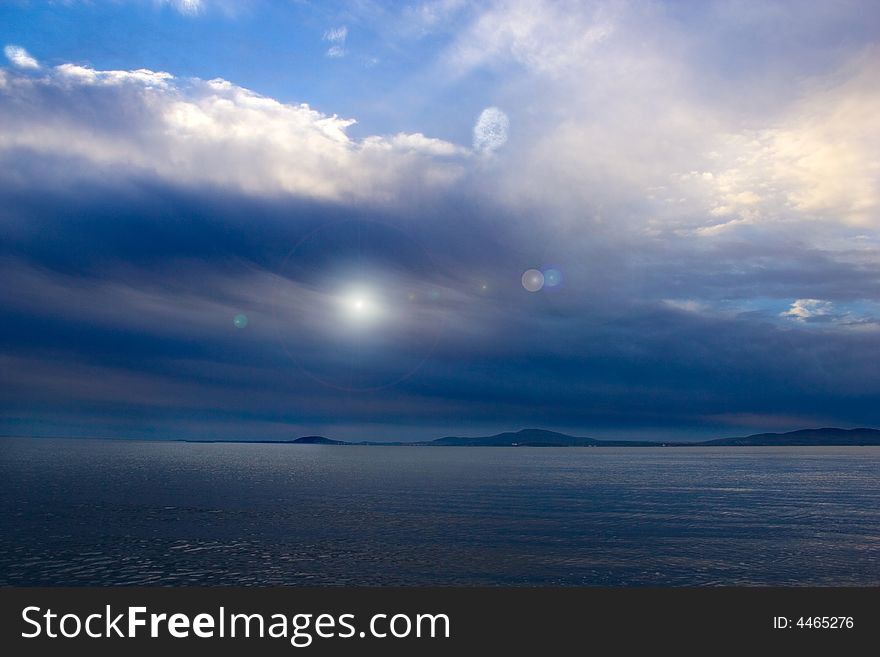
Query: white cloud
x,y
490,130
623,117
188,7
214,132
827,155
817,161
546,37
600,106
87,76
615,123
861,316
337,37
807,309
417,142
20,57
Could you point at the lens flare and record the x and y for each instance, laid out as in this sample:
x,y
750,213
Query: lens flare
x,y
552,277
532,280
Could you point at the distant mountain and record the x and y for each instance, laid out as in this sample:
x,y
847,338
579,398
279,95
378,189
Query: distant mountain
x,y
524,438
317,440
805,437
540,438
829,437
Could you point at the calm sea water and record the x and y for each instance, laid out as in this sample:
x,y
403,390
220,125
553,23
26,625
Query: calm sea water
x,y
78,512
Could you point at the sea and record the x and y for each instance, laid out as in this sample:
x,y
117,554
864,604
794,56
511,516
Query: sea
x,y
99,512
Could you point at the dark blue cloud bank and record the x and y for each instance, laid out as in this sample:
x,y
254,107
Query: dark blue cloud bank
x,y
185,258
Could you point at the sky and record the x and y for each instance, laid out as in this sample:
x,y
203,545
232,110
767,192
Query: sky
x,y
399,221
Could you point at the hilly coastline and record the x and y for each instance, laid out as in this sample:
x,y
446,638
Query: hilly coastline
x,y
831,437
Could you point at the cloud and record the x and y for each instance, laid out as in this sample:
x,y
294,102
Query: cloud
x,y
685,305
186,7
84,75
20,57
337,37
425,17
810,310
209,132
626,110
816,162
546,37
490,130
158,339
859,316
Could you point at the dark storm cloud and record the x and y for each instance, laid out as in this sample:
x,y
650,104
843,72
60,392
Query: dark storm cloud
x,y
786,269
116,308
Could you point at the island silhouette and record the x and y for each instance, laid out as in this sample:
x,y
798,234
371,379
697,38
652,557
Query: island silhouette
x,y
824,437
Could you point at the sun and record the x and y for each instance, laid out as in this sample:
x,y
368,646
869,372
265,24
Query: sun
x,y
360,306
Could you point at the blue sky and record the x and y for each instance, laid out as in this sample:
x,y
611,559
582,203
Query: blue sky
x,y
368,183
279,49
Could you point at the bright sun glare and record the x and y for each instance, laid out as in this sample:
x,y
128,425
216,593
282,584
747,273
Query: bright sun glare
x,y
360,306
